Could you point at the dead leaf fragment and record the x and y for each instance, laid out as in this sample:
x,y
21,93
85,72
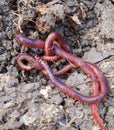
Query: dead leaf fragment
x,y
75,19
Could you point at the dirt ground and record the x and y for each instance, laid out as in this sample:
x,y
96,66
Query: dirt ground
x,y
28,101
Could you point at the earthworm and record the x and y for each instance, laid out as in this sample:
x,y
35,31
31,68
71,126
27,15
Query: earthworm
x,y
88,68
60,85
95,88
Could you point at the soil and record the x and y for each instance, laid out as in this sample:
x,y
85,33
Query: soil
x,y
28,101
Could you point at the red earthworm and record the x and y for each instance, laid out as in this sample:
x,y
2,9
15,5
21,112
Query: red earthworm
x,y
95,89
34,63
103,84
76,61
95,70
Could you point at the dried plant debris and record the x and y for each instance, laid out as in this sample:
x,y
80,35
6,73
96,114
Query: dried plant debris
x,y
57,10
48,14
74,19
24,13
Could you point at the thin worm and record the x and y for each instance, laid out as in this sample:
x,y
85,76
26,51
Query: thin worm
x,y
93,71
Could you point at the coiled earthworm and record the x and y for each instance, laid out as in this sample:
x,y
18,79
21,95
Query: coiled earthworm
x,y
30,60
90,69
